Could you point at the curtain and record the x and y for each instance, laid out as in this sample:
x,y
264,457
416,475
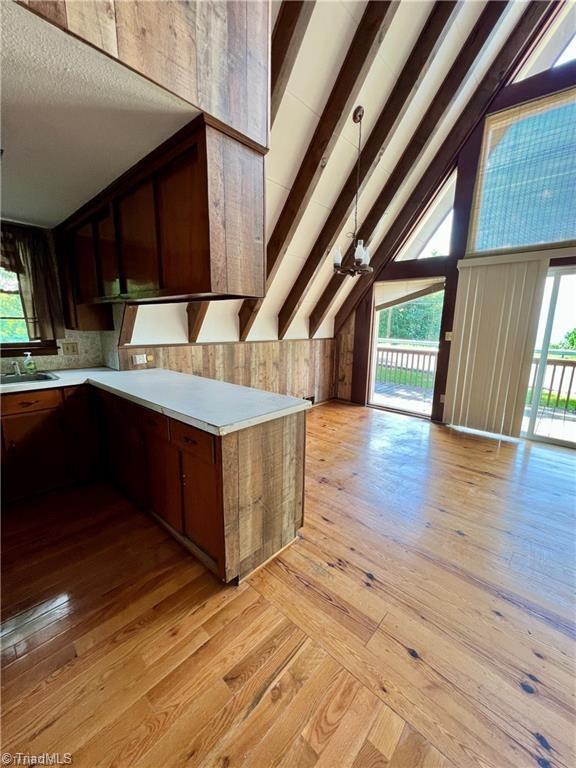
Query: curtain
x,y
391,292
29,252
495,324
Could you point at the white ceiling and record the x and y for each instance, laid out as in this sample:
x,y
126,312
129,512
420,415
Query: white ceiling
x,y
72,119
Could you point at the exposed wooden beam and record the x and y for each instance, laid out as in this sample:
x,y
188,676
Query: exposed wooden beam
x,y
361,54
439,104
289,30
127,324
533,24
196,311
393,111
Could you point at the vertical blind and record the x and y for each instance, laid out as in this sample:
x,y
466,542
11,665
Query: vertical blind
x,y
525,190
495,324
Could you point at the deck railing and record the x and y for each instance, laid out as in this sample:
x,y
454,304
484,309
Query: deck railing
x,y
416,368
558,398
406,366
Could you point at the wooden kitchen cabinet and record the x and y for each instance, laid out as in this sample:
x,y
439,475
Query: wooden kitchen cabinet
x,y
186,221
202,500
125,449
83,433
164,481
233,500
50,439
107,254
138,245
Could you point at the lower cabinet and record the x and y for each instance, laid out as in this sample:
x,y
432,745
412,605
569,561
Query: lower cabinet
x,y
202,505
164,481
169,468
233,500
50,439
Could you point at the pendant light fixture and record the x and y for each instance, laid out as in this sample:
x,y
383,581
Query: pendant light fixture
x,y
361,265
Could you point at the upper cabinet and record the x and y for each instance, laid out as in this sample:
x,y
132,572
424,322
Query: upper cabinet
x,y
187,220
215,55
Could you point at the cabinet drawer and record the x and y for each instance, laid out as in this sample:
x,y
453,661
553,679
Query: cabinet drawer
x,y
24,402
192,440
154,423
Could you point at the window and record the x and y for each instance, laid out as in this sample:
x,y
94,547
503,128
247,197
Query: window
x,y
30,305
568,54
439,242
525,188
13,325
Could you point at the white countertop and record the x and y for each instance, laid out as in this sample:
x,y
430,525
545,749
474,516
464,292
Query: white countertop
x,y
213,406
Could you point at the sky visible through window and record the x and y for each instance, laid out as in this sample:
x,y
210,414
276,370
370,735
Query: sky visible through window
x,y
568,54
439,243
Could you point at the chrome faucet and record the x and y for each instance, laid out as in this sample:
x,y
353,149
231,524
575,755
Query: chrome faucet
x,y
16,368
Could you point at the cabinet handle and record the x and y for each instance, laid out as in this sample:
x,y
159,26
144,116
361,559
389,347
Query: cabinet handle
x,y
11,445
27,403
190,441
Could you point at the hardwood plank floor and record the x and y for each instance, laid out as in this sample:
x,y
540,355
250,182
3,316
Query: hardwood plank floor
x,y
425,618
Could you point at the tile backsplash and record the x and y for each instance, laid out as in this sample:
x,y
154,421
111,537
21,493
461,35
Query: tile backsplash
x,y
90,354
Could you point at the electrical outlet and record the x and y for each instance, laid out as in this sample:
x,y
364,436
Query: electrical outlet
x,y
69,347
139,360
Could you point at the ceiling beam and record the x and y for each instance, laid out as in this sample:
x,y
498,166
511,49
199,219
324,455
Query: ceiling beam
x,y
423,52
528,31
440,102
369,34
289,30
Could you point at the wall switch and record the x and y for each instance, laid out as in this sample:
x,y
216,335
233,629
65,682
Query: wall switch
x,y
448,335
442,398
139,359
69,347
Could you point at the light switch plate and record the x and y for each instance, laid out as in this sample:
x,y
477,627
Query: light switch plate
x,y
69,347
448,335
139,360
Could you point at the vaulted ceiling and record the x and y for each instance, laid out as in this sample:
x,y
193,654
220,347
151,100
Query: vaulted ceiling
x,y
423,71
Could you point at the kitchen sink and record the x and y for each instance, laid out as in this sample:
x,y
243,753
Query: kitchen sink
x,y
21,378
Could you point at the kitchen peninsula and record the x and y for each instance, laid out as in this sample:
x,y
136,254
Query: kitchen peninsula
x,y
221,466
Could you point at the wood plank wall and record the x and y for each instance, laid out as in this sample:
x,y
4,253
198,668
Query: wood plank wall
x,y
214,55
344,360
301,368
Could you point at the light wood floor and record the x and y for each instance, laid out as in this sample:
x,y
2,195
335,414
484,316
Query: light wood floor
x,y
425,619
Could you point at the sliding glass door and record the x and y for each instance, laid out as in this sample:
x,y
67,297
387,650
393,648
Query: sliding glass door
x,y
550,412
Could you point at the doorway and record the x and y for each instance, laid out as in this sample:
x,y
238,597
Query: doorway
x,y
405,348
550,410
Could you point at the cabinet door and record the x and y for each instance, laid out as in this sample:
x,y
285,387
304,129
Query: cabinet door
x,y
125,449
164,481
139,253
107,254
183,222
36,456
83,433
203,521
84,264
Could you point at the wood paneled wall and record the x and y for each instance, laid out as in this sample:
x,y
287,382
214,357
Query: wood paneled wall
x,y
302,368
344,360
214,55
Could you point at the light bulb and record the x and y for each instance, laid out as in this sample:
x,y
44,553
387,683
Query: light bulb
x,y
365,256
359,252
337,256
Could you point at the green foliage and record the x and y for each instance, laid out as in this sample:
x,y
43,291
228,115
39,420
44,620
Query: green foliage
x,y
12,325
569,341
417,320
